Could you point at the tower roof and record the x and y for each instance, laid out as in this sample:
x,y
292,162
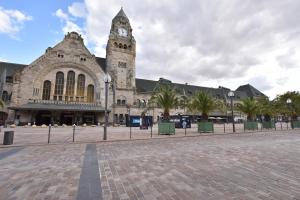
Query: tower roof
x,y
121,13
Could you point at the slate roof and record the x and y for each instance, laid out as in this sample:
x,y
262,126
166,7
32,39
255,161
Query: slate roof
x,y
102,63
11,68
51,106
121,13
148,86
250,90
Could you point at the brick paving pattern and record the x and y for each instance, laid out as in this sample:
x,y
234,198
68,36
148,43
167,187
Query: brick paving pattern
x,y
242,166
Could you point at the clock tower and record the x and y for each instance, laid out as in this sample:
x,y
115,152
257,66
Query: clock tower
x,y
120,53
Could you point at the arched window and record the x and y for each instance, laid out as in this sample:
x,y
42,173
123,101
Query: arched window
x,y
70,83
80,85
125,46
46,90
123,102
90,93
120,46
5,96
59,84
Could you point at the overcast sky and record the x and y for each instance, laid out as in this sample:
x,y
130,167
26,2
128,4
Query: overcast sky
x,y
209,42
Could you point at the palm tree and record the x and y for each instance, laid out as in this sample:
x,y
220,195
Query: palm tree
x,y
250,107
165,98
203,103
266,108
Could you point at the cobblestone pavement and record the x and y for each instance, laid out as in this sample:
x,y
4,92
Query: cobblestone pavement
x,y
29,136
242,166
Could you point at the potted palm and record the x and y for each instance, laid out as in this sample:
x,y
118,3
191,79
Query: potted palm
x,y
250,107
203,103
267,111
167,99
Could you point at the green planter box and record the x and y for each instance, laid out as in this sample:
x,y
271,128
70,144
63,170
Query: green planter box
x,y
268,125
250,126
205,127
295,124
166,128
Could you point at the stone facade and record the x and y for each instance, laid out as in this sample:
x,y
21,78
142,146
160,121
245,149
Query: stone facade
x,y
52,89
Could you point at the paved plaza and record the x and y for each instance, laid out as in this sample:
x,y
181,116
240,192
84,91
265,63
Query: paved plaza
x,y
263,165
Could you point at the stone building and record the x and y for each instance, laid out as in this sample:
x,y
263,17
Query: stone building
x,y
65,85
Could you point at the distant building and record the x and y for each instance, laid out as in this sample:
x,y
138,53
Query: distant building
x,y
65,85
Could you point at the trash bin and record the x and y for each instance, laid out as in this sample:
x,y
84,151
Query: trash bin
x,y
8,137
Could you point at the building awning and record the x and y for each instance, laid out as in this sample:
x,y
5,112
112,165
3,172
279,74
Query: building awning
x,y
59,107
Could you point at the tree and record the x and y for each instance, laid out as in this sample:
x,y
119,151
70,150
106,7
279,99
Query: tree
x,y
2,104
165,98
250,107
283,108
203,103
266,108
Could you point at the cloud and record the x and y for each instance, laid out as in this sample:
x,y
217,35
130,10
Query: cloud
x,y
12,21
219,42
77,9
69,23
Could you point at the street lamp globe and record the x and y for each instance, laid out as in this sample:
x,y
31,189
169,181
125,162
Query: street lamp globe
x,y
288,101
231,94
107,78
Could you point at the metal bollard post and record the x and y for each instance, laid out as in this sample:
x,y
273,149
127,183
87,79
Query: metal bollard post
x,y
49,133
224,128
130,131
151,130
74,132
185,130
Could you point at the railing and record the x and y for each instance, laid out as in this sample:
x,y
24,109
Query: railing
x,y
39,101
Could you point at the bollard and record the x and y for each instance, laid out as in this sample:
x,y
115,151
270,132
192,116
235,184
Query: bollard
x,y
185,130
224,128
151,130
49,133
281,125
130,131
74,132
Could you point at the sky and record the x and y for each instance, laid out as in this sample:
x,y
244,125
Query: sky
x,y
208,43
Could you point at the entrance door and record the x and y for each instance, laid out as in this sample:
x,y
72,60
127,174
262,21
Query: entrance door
x,y
67,118
43,117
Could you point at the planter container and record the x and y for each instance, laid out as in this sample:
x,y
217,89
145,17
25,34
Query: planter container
x,y
295,124
268,125
250,126
205,127
166,128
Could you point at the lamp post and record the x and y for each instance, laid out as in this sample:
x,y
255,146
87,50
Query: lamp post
x,y
129,123
289,102
231,95
107,80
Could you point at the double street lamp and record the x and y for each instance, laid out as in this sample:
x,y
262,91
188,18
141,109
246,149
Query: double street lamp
x,y
107,80
231,95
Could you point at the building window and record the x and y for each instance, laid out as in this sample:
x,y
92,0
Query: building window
x,y
80,85
123,102
5,96
122,65
90,93
46,90
70,83
59,84
9,79
119,102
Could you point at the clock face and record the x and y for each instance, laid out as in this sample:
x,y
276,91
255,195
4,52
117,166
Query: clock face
x,y
122,32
